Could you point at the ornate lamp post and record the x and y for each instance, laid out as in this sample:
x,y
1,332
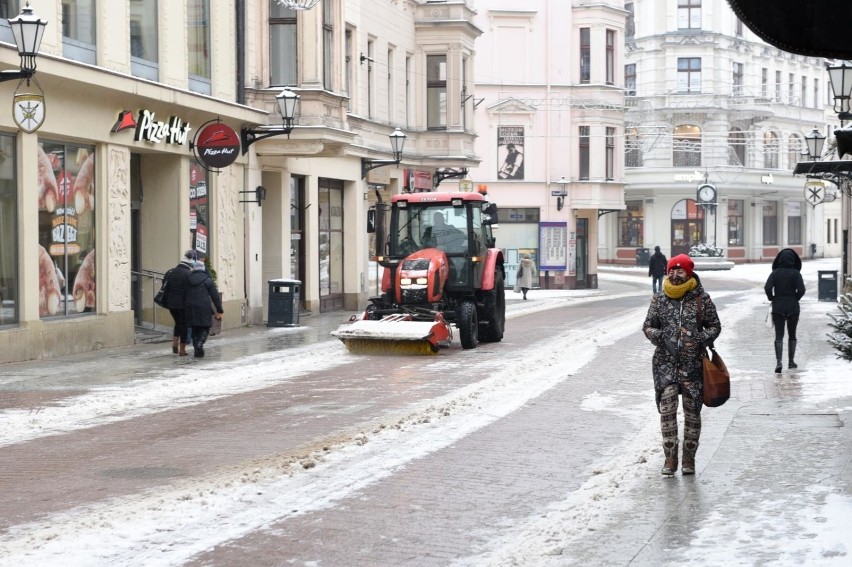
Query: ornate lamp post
x,y
397,140
288,103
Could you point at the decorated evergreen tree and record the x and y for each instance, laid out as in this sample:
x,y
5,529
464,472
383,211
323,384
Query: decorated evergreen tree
x,y
841,338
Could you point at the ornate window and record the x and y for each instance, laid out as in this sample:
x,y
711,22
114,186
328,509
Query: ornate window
x,y
686,146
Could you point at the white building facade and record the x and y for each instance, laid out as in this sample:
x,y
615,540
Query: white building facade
x,y
549,118
709,103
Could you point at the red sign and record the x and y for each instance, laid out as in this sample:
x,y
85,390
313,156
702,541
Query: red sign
x,y
419,180
217,145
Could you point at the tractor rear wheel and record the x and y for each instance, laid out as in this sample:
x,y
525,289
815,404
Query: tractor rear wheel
x,y
491,329
468,325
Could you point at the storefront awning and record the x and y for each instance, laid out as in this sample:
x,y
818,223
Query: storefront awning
x,y
818,28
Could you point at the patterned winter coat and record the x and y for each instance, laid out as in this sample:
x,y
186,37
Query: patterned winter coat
x,y
676,320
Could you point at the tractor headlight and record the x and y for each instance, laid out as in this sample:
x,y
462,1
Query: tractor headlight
x,y
405,281
421,281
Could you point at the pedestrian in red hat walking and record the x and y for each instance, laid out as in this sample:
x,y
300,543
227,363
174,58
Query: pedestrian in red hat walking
x,y
673,326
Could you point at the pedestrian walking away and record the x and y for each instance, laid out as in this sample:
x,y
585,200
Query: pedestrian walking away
x,y
673,327
784,288
201,298
657,269
175,281
526,275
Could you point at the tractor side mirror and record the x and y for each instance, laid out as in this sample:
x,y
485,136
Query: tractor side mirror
x,y
489,213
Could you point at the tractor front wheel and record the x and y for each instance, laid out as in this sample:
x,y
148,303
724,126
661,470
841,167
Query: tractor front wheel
x,y
468,325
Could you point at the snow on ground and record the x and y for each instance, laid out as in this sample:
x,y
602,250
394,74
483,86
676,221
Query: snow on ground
x,y
170,525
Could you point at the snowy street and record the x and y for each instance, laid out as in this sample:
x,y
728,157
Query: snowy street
x,y
280,448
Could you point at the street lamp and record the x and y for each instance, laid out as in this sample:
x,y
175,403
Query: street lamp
x,y
28,30
288,102
397,140
841,86
815,141
561,194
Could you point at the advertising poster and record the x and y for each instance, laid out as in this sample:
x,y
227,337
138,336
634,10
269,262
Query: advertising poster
x,y
553,245
199,209
510,152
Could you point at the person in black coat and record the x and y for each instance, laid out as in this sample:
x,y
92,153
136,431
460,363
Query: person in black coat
x,y
176,284
784,288
200,292
657,269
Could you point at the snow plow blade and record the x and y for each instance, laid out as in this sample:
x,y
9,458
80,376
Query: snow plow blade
x,y
394,335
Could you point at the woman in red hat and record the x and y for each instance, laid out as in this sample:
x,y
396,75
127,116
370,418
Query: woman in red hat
x,y
673,326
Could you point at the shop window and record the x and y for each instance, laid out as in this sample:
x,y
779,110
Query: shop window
x,y
686,146
633,156
519,215
771,149
688,14
630,79
283,46
436,92
198,46
199,209
610,154
770,223
78,30
66,229
9,311
328,44
584,153
144,39
794,222
736,147
736,222
585,55
631,225
795,146
610,57
689,75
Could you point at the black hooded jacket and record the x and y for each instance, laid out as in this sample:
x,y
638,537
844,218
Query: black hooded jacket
x,y
784,286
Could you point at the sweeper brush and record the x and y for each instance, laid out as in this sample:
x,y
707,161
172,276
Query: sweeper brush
x,y
395,334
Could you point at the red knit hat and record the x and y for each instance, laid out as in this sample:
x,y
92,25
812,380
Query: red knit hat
x,y
681,261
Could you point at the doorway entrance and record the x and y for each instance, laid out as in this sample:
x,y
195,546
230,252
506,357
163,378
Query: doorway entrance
x,y
582,264
331,244
687,223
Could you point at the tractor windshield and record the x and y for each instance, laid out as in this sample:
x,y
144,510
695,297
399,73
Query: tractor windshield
x,y
430,225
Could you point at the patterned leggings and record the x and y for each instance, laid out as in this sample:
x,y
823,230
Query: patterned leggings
x,y
668,415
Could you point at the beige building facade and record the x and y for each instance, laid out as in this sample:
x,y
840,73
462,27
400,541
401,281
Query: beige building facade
x,y
104,197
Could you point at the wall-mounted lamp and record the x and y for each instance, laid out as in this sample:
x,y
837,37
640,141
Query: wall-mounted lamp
x,y
814,142
397,140
561,193
28,30
259,195
288,103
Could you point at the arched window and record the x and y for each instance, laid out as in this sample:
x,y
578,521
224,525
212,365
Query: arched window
x,y
736,147
632,148
795,146
771,149
686,146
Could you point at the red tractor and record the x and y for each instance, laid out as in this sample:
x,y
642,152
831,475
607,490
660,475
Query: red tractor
x,y
441,268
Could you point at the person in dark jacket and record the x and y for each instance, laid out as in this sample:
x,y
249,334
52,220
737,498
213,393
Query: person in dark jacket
x,y
681,322
784,288
200,292
657,269
176,283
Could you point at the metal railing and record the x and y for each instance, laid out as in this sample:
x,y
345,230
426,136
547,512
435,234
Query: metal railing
x,y
144,286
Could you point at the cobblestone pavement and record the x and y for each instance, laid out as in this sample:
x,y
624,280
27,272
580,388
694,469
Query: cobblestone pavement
x,y
368,460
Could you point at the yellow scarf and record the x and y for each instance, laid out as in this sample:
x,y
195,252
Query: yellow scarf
x,y
678,291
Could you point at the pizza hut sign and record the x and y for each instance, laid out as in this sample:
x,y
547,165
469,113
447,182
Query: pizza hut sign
x,y
149,129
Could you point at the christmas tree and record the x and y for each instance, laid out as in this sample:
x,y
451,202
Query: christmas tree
x,y
841,338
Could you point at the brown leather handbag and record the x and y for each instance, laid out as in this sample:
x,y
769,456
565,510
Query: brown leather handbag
x,y
717,380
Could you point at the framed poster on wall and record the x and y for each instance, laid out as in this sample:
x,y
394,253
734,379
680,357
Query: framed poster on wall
x,y
553,245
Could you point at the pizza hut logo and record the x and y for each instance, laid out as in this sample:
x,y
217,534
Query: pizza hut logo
x,y
217,145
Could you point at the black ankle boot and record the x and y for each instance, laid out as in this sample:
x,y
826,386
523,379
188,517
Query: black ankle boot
x,y
791,347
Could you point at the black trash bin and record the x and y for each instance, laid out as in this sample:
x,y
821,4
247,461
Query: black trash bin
x,y
643,256
283,303
827,289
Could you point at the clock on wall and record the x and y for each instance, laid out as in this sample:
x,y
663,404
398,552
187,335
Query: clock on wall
x,y
706,194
